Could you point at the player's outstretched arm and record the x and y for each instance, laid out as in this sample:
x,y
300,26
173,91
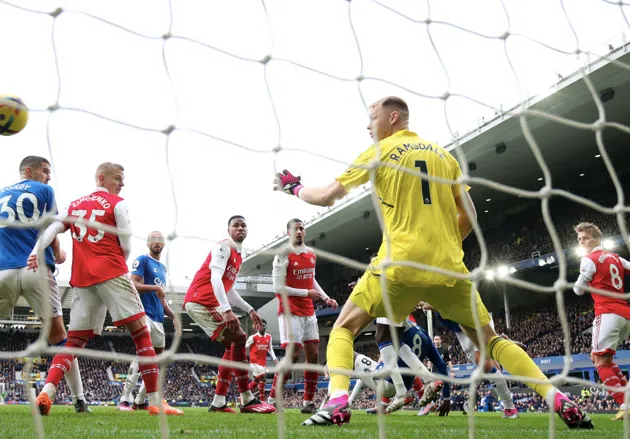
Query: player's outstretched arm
x,y
44,241
329,302
315,195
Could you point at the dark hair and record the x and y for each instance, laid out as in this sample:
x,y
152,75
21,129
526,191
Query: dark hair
x,y
233,217
32,161
264,321
293,221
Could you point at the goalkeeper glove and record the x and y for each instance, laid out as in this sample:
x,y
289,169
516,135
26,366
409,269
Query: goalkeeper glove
x,y
289,183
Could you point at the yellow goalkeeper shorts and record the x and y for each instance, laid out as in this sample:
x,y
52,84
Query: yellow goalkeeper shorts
x,y
453,303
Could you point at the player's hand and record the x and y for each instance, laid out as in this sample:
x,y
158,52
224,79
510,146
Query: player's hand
x,y
445,408
287,182
275,361
424,306
314,294
32,263
60,257
332,303
231,321
160,292
255,320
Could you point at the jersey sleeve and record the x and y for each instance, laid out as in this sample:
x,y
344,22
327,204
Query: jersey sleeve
x,y
456,173
250,341
220,256
587,271
357,174
138,266
51,202
123,225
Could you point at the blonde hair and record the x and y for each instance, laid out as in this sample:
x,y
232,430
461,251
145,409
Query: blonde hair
x,y
106,168
589,228
395,103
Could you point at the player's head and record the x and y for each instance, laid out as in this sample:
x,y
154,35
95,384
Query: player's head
x,y
35,168
237,228
387,116
296,231
264,326
111,177
155,242
589,236
437,340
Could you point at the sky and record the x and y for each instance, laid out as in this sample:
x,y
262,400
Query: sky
x,y
231,111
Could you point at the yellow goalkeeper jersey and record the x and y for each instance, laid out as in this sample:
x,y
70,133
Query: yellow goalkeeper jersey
x,y
420,215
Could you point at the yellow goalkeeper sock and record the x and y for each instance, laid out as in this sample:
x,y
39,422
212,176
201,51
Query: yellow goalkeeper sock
x,y
517,362
340,355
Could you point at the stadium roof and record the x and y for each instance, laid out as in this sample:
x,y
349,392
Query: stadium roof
x,y
570,153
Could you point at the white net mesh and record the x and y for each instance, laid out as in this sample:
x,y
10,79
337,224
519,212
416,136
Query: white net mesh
x,y
205,51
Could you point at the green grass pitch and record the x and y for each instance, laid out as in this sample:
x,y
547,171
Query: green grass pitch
x,y
106,422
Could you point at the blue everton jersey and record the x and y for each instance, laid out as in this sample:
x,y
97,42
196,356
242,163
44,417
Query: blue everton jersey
x,y
152,272
23,203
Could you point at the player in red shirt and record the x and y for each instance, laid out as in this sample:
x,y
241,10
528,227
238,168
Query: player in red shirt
x,y
101,281
259,345
294,278
605,270
208,302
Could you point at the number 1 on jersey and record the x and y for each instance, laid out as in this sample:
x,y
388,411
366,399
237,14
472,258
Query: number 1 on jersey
x,y
426,187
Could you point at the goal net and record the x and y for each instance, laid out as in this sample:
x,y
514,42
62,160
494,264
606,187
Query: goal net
x,y
203,103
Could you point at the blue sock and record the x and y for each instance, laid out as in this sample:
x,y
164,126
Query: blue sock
x,y
62,342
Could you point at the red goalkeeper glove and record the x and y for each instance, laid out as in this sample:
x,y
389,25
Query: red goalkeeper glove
x,y
289,183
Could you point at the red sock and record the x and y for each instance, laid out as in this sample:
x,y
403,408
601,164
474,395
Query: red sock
x,y
385,400
239,356
144,348
62,363
224,375
262,382
310,384
272,394
620,375
253,384
418,386
610,378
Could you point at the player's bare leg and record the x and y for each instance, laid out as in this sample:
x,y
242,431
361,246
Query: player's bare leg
x,y
297,350
340,356
518,363
59,337
311,354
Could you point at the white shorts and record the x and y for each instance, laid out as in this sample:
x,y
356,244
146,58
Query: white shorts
x,y
609,331
90,305
36,287
210,320
298,329
257,369
158,338
386,321
467,346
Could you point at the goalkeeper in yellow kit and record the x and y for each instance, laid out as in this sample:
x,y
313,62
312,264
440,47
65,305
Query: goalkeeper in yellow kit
x,y
425,222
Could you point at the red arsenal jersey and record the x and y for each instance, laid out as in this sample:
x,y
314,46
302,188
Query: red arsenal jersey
x,y
300,274
96,256
259,348
604,270
222,255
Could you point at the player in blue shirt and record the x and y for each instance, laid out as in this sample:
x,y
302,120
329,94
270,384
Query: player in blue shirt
x,y
490,366
23,203
149,276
